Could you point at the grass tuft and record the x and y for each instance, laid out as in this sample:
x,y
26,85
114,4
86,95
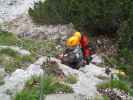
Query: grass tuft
x,y
72,79
50,85
8,51
7,38
119,84
11,60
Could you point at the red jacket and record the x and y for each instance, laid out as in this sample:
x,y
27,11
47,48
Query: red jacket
x,y
84,45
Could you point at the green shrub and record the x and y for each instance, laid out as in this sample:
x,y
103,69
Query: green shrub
x,y
87,15
126,45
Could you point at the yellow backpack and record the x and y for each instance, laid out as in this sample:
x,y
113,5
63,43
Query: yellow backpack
x,y
74,40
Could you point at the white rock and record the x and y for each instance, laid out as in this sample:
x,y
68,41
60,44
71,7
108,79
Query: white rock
x,y
4,97
10,9
97,59
67,70
87,79
24,52
34,70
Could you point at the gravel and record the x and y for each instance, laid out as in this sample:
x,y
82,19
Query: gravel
x,y
115,94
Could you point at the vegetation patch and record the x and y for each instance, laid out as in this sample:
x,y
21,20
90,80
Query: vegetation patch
x,y
40,47
114,84
101,98
93,16
8,51
7,38
12,63
50,86
36,46
11,60
72,79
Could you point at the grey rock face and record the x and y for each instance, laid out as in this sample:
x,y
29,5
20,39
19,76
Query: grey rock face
x,y
23,26
10,9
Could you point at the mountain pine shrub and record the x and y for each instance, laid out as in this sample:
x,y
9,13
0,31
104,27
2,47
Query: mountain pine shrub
x,y
102,16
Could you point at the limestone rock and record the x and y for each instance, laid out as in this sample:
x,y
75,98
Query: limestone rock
x,y
4,97
10,9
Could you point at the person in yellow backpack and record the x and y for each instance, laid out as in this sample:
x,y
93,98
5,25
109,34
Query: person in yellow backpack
x,y
73,51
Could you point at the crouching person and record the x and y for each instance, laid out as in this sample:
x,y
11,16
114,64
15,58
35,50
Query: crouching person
x,y
73,56
78,52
